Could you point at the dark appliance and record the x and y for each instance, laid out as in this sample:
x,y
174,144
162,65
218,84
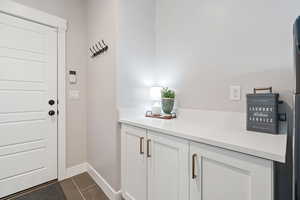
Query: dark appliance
x,y
296,126
287,175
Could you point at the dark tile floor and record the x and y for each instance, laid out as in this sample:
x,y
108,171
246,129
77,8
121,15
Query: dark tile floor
x,y
80,187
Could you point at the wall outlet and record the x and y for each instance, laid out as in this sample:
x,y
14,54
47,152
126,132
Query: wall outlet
x,y
235,93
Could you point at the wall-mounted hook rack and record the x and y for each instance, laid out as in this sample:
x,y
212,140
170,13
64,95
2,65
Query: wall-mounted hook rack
x,y
98,48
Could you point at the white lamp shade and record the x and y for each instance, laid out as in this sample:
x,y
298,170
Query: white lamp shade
x,y
155,93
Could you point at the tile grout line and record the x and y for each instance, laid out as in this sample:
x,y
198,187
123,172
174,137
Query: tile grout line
x,y
77,187
88,187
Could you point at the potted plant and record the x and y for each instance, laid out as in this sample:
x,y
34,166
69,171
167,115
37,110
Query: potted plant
x,y
167,100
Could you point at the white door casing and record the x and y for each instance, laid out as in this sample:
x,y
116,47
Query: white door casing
x,y
223,174
28,80
134,163
168,167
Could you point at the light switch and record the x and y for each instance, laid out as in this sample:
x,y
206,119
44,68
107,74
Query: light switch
x,y
74,94
235,92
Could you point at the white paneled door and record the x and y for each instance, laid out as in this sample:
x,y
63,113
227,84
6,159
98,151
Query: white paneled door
x,y
28,121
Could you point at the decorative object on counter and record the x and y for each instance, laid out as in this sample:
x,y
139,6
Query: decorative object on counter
x,y
150,114
159,95
98,49
262,111
167,100
155,94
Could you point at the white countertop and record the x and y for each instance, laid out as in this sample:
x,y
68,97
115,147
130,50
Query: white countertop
x,y
222,129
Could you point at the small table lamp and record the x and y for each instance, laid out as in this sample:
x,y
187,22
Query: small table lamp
x,y
155,94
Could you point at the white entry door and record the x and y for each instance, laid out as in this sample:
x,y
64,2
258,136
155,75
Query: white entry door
x,y
28,81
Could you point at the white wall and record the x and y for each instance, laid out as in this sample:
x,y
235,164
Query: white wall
x,y
136,52
120,77
74,11
103,140
205,46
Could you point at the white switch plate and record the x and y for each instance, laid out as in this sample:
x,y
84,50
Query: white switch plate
x,y
235,92
73,76
72,79
74,94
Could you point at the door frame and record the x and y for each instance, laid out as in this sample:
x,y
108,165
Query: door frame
x,y
34,15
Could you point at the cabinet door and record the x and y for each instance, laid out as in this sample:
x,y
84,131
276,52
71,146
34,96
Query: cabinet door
x,y
221,174
134,163
168,176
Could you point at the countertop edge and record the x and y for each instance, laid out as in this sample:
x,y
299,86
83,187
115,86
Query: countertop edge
x,y
236,148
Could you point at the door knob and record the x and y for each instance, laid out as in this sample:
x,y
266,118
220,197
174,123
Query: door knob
x,y
51,102
51,112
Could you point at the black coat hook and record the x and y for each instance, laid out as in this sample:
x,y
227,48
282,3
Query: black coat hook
x,y
100,44
101,47
98,48
93,53
105,46
97,52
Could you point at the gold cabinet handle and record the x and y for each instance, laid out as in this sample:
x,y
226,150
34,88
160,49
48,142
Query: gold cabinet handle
x,y
141,145
194,159
148,148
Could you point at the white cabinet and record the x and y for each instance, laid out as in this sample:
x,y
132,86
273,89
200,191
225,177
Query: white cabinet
x,y
154,166
221,174
168,168
134,163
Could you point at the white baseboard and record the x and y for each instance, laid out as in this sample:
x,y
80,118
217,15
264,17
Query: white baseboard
x,y
103,184
75,170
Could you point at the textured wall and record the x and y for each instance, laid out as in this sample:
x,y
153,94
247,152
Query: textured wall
x,y
76,54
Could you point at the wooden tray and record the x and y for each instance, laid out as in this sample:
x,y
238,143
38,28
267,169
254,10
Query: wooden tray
x,y
172,116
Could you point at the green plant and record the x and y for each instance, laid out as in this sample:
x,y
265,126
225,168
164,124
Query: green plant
x,y
167,93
